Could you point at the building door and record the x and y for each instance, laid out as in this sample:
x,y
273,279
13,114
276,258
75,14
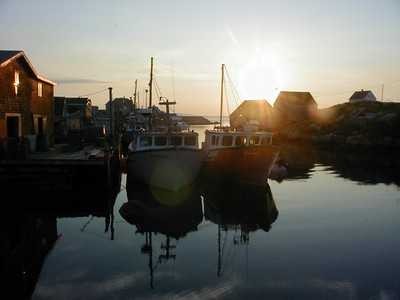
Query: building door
x,y
40,126
12,126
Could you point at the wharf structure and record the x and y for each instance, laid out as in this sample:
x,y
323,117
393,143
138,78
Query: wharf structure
x,y
30,160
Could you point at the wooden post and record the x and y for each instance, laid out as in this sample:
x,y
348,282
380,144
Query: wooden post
x,y
111,116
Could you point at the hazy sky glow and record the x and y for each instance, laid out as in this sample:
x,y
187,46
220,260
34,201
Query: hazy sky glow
x,y
329,48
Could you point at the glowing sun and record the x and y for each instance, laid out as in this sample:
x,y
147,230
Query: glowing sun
x,y
260,78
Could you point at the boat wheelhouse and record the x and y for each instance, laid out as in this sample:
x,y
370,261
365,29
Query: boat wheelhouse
x,y
247,156
165,156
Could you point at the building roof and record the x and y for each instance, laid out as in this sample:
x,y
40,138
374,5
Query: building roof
x,y
72,104
295,98
251,106
359,95
7,56
263,102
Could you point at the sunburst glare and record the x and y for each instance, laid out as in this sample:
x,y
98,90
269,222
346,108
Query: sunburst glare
x,y
260,77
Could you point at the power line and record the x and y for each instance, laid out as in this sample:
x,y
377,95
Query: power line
x,y
93,93
347,92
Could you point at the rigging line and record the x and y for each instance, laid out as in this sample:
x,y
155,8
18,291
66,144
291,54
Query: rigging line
x,y
173,81
93,93
235,93
157,88
226,101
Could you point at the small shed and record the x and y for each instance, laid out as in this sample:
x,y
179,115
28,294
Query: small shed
x,y
362,96
252,110
295,106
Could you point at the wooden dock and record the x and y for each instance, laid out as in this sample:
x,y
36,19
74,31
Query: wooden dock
x,y
64,169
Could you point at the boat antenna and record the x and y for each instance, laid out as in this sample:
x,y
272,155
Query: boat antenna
x,y
222,96
134,98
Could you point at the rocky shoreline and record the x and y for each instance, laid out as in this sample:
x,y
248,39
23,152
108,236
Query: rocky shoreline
x,y
368,125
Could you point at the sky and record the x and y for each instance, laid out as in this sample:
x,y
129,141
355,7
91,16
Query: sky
x,y
328,48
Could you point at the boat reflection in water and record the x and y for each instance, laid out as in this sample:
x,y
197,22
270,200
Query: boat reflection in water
x,y
232,204
158,211
239,209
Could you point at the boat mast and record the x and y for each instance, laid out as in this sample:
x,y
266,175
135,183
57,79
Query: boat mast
x,y
151,82
151,93
222,97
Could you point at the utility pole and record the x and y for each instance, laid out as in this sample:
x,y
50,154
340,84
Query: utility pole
x,y
382,92
111,115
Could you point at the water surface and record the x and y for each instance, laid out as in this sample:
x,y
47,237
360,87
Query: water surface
x,y
328,230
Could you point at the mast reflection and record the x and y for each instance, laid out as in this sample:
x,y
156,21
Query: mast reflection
x,y
238,208
157,211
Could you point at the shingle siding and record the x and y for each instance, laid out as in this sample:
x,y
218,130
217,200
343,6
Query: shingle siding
x,y
26,104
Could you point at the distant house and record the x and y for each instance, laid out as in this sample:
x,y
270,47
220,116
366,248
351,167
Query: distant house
x,y
249,110
295,106
71,115
122,106
26,99
362,96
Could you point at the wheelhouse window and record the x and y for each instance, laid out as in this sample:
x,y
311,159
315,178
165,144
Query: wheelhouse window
x,y
240,141
227,141
190,140
16,82
160,141
254,140
214,140
176,140
145,141
40,89
265,141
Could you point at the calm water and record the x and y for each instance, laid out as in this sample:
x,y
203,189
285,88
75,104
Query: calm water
x,y
328,230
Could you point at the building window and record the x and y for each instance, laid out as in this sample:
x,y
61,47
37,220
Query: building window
x,y
16,82
40,89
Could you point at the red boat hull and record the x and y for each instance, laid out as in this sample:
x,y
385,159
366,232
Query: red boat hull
x,y
246,164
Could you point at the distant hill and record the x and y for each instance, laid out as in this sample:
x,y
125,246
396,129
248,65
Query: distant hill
x,y
195,120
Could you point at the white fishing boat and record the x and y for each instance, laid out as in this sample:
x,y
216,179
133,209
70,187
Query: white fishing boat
x,y
246,156
165,157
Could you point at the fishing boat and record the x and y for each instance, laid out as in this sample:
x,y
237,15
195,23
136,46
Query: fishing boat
x,y
165,156
246,155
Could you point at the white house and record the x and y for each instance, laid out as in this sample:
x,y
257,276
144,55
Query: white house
x,y
362,96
